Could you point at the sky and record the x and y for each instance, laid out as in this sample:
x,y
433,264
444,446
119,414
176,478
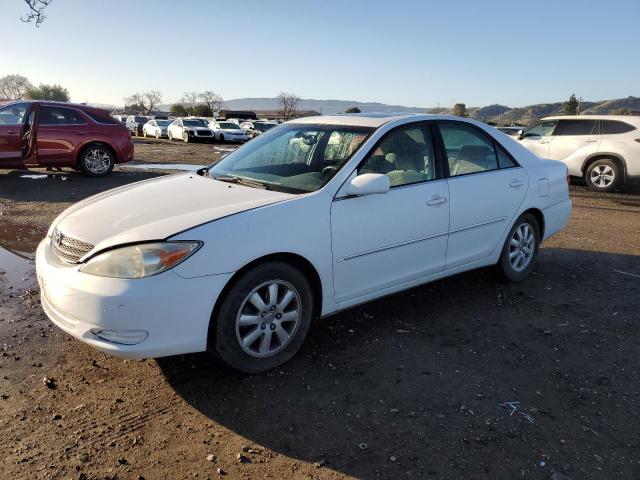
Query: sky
x,y
403,52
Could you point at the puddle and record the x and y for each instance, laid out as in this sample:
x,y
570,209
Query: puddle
x,y
188,167
16,270
43,176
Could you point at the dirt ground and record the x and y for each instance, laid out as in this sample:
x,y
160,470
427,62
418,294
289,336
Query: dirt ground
x,y
465,378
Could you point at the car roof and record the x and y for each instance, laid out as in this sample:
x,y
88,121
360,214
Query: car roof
x,y
625,118
53,103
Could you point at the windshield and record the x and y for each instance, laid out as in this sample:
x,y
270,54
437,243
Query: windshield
x,y
194,123
229,125
543,129
141,119
298,158
163,123
263,127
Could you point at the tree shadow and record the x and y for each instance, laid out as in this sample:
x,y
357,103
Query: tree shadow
x,y
415,384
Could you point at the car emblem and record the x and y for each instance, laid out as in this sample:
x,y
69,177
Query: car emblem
x,y
58,237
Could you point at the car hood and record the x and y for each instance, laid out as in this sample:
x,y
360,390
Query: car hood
x,y
158,208
232,130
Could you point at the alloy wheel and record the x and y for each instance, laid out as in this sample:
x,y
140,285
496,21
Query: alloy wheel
x,y
522,247
97,161
602,176
268,318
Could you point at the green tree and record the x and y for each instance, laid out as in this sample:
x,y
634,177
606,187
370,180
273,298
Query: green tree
x,y
460,110
352,110
14,87
48,92
179,110
571,106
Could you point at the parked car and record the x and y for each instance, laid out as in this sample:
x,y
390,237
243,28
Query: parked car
x,y
189,130
602,149
135,124
229,132
120,118
155,128
55,134
313,217
254,129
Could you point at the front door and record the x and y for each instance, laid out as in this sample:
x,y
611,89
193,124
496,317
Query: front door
x,y
486,187
13,118
387,240
538,138
574,136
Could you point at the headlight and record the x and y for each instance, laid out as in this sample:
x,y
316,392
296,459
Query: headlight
x,y
139,261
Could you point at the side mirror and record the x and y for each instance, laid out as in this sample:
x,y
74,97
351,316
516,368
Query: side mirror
x,y
532,136
368,184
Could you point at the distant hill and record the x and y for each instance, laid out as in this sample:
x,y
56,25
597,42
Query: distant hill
x,y
501,114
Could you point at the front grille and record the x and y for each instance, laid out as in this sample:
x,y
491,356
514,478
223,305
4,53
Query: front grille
x,y
69,249
203,133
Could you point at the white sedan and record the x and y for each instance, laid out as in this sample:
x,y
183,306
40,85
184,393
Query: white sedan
x,y
155,128
189,130
229,132
312,217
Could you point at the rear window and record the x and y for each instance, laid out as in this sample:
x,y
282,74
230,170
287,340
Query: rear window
x,y
575,127
102,117
613,127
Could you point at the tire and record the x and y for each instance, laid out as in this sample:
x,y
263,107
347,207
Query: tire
x,y
96,160
603,175
221,138
185,137
144,133
520,250
157,135
265,324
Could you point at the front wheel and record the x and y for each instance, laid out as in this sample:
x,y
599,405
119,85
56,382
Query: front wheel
x,y
157,135
520,250
169,136
97,160
264,318
603,175
185,137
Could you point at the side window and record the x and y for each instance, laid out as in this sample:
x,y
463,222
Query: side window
x,y
542,129
504,160
13,114
575,127
615,127
341,145
467,149
405,155
59,116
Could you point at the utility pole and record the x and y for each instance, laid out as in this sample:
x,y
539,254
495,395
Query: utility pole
x,y
579,104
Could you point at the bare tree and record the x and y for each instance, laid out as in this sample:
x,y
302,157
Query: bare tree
x,y
36,11
212,100
289,102
144,102
190,101
14,87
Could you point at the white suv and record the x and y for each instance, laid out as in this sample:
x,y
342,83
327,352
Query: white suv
x,y
602,149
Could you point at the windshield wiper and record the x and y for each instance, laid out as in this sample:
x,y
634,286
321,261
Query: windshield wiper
x,y
242,181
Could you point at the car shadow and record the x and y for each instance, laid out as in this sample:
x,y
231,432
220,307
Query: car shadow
x,y
39,185
417,384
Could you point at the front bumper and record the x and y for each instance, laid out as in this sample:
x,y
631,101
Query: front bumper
x,y
162,315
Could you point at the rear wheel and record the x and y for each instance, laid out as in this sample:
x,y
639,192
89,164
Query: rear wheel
x,y
520,250
263,319
97,160
603,175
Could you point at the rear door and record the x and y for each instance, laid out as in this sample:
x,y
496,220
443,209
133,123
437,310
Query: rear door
x,y
60,130
486,189
12,129
571,137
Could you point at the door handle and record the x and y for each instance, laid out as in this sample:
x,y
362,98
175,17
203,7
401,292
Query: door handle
x,y
436,200
516,183
544,142
591,140
12,133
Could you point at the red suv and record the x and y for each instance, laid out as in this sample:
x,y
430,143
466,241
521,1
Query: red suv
x,y
55,134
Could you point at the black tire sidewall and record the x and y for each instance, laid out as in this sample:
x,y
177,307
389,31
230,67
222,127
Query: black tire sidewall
x,y
505,266
616,170
83,165
222,333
